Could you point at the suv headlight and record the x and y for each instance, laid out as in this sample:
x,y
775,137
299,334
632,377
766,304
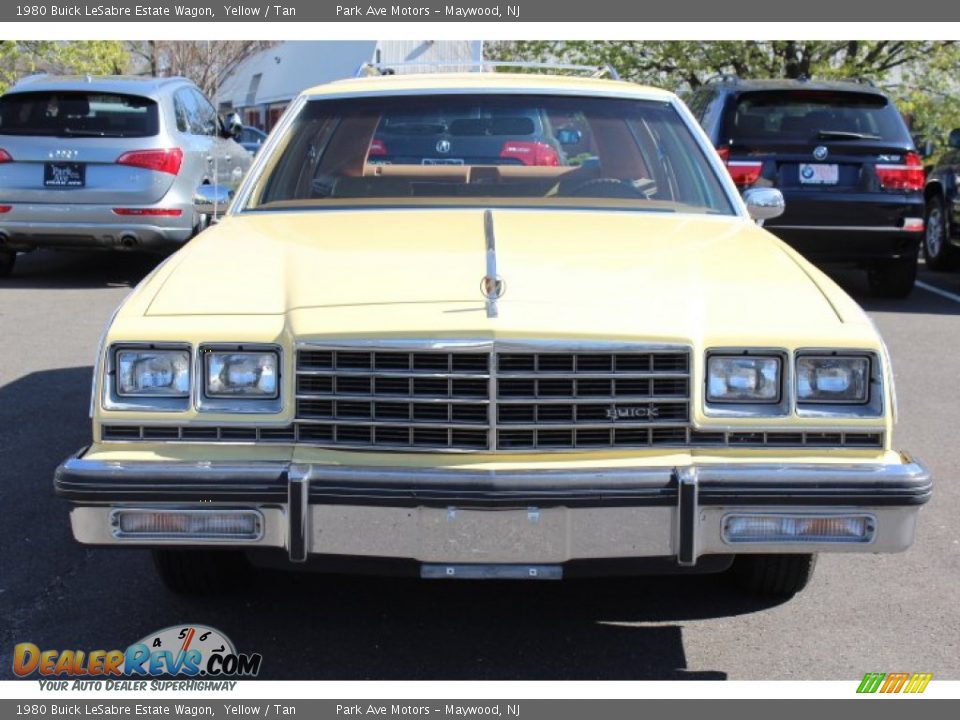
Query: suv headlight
x,y
153,373
241,374
833,379
743,379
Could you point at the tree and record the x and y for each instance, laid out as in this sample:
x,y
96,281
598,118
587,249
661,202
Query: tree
x,y
19,58
206,63
920,75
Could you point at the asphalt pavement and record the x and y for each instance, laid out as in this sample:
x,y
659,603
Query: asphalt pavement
x,y
877,613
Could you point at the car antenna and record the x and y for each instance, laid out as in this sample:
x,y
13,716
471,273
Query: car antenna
x,y
493,285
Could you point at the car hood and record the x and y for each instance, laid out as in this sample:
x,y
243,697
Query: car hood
x,y
567,273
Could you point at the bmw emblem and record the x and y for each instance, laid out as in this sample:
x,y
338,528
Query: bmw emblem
x,y
820,152
807,172
443,146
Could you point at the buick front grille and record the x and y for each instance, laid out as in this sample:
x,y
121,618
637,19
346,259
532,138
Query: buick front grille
x,y
492,400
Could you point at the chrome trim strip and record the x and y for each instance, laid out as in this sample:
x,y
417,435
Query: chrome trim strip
x,y
491,281
451,345
839,228
870,475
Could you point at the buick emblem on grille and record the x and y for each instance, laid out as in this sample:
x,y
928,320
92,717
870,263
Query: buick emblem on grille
x,y
649,412
820,152
443,146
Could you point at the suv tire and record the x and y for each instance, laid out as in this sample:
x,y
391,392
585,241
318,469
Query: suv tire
x,y
893,278
939,253
776,575
200,572
8,258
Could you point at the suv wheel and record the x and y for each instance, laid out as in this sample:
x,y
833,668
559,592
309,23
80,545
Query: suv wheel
x,y
777,575
8,259
938,252
200,572
893,278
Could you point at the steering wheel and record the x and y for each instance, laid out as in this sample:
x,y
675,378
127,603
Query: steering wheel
x,y
606,187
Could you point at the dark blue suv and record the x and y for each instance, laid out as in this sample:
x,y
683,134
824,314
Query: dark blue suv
x,y
842,156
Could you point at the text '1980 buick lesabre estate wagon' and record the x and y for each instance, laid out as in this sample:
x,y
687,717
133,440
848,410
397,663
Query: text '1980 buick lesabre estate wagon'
x,y
529,330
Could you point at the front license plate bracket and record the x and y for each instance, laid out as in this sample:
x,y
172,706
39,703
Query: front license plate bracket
x,y
437,571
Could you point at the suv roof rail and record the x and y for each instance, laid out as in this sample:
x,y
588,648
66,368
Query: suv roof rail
x,y
723,78
595,71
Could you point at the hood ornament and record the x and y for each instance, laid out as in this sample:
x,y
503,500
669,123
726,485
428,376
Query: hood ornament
x,y
493,286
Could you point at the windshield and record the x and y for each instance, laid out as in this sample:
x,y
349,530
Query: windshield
x,y
808,115
513,150
81,114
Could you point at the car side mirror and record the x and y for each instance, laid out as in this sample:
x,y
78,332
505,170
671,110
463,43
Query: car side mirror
x,y
232,126
211,201
764,203
569,136
954,139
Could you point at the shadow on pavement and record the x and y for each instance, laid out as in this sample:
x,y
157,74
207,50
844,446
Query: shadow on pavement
x,y
48,269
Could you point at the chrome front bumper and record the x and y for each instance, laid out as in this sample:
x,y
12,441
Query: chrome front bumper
x,y
535,517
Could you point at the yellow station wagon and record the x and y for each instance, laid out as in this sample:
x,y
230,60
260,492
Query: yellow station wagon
x,y
492,325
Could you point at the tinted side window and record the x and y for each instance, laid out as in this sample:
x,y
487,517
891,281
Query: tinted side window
x,y
180,105
206,114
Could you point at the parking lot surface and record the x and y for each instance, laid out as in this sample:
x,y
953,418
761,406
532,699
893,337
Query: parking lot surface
x,y
861,613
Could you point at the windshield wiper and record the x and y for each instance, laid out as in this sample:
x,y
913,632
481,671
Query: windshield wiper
x,y
845,135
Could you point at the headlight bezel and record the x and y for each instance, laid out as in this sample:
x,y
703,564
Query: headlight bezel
x,y
872,407
236,403
113,399
779,407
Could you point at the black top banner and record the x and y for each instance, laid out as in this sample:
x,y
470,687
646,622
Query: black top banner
x,y
346,11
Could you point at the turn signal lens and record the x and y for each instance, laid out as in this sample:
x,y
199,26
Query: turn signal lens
x,y
187,524
798,528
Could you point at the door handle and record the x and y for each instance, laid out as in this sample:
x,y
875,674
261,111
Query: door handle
x,y
227,158
210,159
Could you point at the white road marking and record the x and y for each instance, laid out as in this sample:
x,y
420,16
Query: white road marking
x,y
938,291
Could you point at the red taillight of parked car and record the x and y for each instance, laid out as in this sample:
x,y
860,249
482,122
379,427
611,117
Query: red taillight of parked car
x,y
907,176
744,172
165,161
530,153
378,148
149,212
5,156
5,209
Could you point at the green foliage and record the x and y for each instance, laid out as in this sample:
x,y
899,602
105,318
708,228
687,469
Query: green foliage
x,y
920,75
19,58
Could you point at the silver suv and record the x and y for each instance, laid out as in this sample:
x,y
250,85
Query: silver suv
x,y
111,162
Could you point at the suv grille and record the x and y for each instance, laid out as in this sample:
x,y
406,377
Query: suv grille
x,y
511,400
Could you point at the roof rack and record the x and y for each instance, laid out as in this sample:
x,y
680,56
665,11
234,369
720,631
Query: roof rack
x,y
722,78
368,69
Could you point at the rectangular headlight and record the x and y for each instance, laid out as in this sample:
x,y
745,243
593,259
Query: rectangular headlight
x,y
153,373
241,374
833,379
743,379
